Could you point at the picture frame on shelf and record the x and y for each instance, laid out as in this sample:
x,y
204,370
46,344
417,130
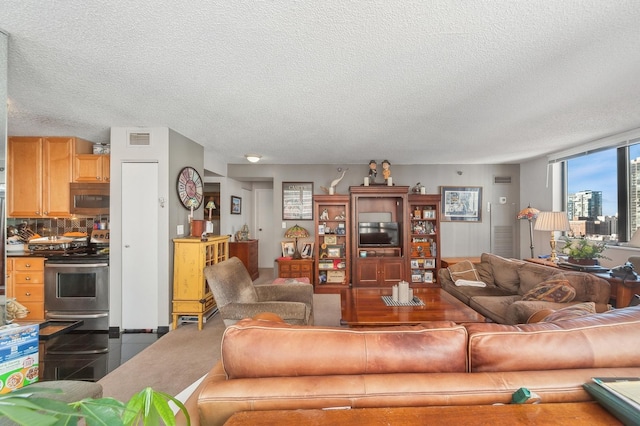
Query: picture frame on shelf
x,y
414,263
461,203
416,278
335,277
330,239
321,229
297,200
288,248
428,277
428,214
429,263
236,205
307,250
334,251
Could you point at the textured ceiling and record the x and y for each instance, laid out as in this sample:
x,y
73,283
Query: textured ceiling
x,y
332,81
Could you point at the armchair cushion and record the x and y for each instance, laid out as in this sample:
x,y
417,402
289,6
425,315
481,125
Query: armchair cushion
x,y
230,282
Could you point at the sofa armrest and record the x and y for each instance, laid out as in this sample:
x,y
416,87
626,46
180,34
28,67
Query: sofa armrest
x,y
285,310
285,292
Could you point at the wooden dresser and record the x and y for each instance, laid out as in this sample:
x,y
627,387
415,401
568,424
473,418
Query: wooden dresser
x,y
290,268
247,252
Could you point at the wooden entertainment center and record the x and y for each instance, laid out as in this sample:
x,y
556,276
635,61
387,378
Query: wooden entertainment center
x,y
344,258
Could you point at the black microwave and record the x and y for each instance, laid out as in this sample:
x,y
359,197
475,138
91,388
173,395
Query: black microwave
x,y
90,199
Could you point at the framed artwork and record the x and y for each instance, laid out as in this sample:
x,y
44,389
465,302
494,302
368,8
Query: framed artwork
x,y
236,205
428,277
288,248
414,263
461,203
297,200
307,250
334,251
330,239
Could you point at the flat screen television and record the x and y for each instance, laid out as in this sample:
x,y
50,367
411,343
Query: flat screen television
x,y
379,234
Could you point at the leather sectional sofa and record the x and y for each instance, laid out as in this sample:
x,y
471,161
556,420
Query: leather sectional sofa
x,y
267,365
508,280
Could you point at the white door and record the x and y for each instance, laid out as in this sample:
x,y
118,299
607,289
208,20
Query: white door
x,y
139,246
263,210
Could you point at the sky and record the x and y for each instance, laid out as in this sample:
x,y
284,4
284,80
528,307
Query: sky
x,y
596,172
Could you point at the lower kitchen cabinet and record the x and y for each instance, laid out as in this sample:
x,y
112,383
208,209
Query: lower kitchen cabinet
x,y
25,283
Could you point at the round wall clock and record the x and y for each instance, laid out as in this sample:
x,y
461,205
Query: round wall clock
x,y
190,188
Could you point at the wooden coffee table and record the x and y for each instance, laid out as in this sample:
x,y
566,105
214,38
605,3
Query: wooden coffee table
x,y
364,307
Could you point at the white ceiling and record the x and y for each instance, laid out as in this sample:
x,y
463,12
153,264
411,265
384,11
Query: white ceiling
x,y
332,81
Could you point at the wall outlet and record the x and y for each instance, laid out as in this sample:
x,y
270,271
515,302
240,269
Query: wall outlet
x,y
180,229
284,225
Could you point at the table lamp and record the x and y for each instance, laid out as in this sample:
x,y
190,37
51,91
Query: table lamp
x,y
529,213
552,221
211,205
296,232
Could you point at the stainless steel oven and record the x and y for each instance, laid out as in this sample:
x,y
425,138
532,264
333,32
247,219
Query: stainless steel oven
x,y
78,288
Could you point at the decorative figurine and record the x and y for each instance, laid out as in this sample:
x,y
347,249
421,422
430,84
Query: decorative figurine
x,y
324,215
373,171
386,170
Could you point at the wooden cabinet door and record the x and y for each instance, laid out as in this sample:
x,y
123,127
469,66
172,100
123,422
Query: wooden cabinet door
x,y
24,177
391,271
90,168
57,174
367,273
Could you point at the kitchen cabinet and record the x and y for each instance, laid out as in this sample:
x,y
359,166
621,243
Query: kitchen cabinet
x,y
25,283
247,252
94,168
192,295
39,170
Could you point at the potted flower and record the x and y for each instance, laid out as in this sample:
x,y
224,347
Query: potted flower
x,y
582,251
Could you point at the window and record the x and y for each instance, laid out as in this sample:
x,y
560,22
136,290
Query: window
x,y
603,192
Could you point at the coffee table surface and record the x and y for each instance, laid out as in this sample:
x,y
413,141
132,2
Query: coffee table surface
x,y
365,307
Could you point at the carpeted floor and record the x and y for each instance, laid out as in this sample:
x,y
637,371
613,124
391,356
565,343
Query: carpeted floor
x,y
184,355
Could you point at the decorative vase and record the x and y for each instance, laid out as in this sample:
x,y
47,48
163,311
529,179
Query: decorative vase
x,y
583,262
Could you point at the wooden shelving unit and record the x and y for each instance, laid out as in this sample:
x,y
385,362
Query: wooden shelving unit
x,y
424,235
332,246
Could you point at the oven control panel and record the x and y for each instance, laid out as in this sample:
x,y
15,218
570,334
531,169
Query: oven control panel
x,y
100,236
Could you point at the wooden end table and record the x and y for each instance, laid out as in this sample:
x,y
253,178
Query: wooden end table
x,y
364,307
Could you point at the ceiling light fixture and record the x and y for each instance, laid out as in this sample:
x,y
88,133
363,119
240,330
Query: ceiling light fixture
x,y
254,158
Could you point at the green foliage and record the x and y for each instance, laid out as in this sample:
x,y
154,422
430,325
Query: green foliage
x,y
148,407
582,248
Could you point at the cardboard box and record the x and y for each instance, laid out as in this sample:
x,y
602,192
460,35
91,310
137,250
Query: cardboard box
x,y
18,356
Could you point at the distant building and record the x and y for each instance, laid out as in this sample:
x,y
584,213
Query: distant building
x,y
585,205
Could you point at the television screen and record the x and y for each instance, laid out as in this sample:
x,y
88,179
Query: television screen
x,y
378,234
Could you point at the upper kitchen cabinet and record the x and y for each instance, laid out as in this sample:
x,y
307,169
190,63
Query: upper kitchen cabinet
x,y
39,170
93,168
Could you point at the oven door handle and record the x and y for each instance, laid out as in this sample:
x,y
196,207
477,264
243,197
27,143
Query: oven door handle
x,y
75,265
77,316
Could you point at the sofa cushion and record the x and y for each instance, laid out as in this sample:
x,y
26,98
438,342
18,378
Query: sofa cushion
x,y
484,272
570,312
438,346
505,271
499,347
531,275
493,307
589,287
555,289
463,270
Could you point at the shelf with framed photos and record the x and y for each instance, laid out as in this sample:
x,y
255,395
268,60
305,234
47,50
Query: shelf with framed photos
x,y
424,235
332,242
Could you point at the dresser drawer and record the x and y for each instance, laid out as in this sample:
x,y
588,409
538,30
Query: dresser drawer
x,y
31,277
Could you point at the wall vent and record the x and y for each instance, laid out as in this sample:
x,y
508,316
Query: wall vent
x,y
139,139
501,179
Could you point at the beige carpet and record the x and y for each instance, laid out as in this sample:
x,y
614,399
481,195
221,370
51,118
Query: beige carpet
x,y
184,355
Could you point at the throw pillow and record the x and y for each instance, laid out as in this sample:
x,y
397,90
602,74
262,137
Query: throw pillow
x,y
553,290
570,312
463,270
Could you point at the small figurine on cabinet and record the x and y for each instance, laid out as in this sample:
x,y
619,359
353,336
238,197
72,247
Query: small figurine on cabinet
x,y
386,169
373,170
341,216
324,215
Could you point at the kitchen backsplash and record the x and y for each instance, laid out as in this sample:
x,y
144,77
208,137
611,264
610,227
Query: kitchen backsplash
x,y
49,227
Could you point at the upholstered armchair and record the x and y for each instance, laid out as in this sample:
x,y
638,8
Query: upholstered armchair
x,y
238,298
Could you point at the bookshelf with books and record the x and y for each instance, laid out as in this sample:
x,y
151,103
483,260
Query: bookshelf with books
x,y
424,234
332,242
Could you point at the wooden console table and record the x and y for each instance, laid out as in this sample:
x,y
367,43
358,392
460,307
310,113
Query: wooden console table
x,y
296,268
590,413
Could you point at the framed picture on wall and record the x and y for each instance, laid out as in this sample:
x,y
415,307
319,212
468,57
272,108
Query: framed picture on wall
x,y
297,200
461,203
236,205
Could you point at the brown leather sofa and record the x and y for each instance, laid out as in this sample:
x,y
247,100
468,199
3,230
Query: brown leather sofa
x,y
267,365
507,281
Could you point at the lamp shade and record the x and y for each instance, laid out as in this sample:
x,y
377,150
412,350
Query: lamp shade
x,y
210,205
296,231
528,213
552,221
